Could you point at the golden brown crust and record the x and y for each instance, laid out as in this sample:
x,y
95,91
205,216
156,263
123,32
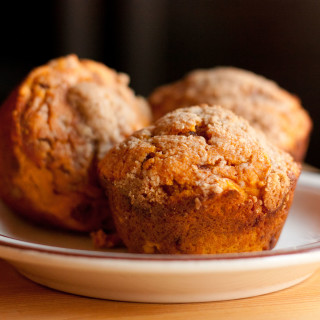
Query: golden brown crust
x,y
262,102
201,180
55,127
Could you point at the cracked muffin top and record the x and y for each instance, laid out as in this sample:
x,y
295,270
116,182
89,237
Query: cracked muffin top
x,y
201,150
56,126
69,101
262,102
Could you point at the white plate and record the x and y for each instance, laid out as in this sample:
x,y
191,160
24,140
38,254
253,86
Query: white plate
x,y
68,262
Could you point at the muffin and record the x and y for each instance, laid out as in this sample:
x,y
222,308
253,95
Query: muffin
x,y
200,180
262,102
55,127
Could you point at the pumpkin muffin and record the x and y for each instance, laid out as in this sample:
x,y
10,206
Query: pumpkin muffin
x,y
262,102
200,180
55,127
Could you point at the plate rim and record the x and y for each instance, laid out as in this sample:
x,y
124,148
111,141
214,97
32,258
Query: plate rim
x,y
307,180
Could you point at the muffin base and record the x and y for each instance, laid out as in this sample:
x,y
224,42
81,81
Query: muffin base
x,y
222,224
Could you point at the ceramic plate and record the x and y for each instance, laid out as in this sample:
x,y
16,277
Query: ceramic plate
x,y
69,263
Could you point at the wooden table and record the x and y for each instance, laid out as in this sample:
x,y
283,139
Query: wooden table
x,y
23,299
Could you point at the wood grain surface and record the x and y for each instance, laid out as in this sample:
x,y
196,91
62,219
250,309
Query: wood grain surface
x,y
23,299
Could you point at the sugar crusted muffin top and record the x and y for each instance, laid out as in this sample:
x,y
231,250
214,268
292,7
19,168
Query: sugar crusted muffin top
x,y
203,150
54,94
262,102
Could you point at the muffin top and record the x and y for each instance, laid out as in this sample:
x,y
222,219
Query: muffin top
x,y
199,151
70,99
262,102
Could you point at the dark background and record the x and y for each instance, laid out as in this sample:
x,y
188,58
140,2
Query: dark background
x,y
157,41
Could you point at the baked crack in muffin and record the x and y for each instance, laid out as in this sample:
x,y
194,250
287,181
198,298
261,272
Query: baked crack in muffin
x,y
262,102
55,127
200,180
